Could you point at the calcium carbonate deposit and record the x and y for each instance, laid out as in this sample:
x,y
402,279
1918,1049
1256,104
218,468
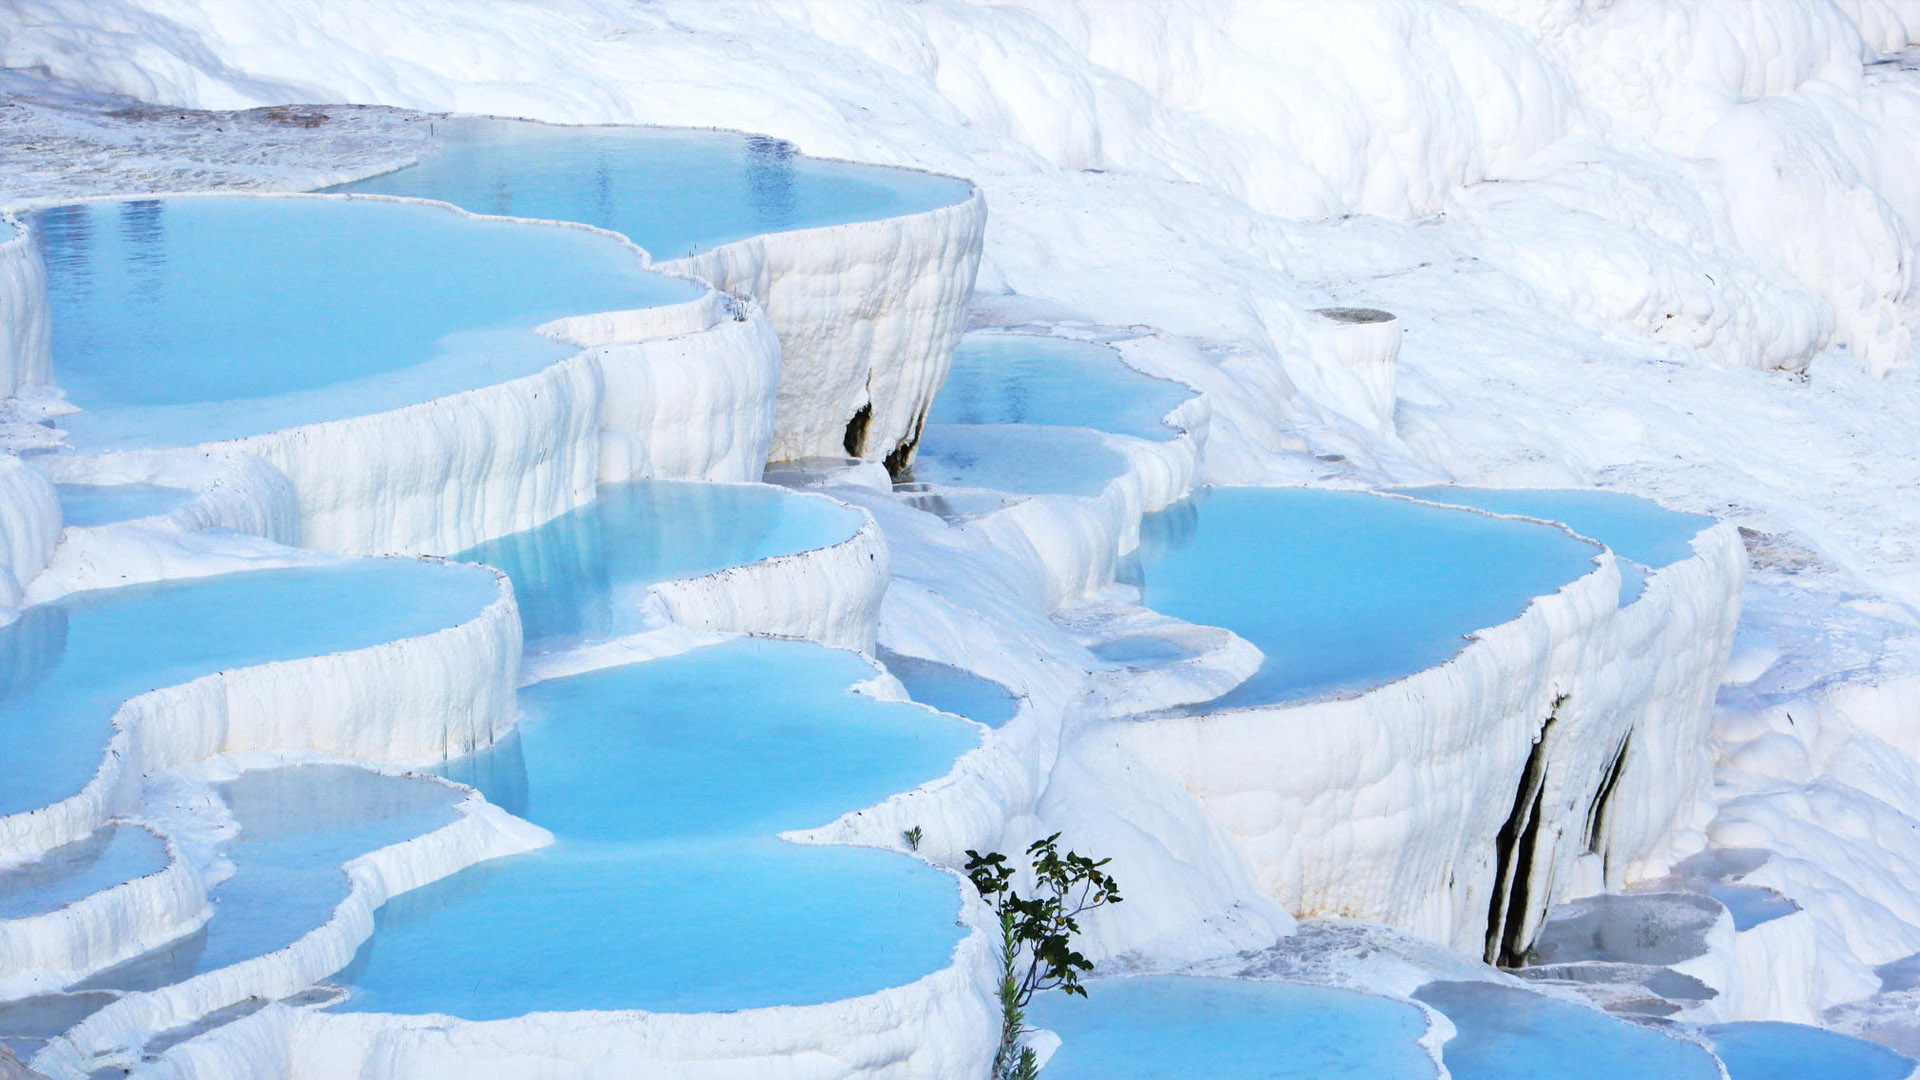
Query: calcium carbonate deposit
x,y
543,540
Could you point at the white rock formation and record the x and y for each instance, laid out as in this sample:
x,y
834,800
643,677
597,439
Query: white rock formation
x,y
29,529
419,699
26,331
868,315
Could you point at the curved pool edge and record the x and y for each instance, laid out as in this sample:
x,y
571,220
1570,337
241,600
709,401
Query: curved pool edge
x,y
52,950
1549,705
410,699
115,1035
417,467
830,595
890,293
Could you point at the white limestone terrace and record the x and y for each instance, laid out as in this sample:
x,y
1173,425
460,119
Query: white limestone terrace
x,y
465,423
1225,183
865,271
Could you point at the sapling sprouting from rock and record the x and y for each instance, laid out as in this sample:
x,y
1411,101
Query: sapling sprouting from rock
x,y
1037,934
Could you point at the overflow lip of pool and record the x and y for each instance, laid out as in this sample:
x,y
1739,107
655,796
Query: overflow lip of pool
x,y
1310,788
97,912
442,681
26,331
476,831
516,414
868,306
923,1002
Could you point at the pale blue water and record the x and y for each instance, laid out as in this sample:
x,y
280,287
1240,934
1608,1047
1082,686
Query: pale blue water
x,y
1637,529
1771,1051
1021,459
671,192
103,504
952,689
66,667
1751,905
1028,379
112,856
582,576
1141,651
1161,1027
188,320
1509,1034
1342,590
299,826
665,784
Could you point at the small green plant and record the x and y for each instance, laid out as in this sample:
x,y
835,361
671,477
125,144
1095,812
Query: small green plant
x,y
1037,934
912,837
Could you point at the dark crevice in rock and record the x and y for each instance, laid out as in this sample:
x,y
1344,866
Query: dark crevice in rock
x,y
856,440
1603,799
1514,851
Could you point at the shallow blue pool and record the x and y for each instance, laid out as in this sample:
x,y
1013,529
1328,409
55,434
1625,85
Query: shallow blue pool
x,y
299,826
1503,1033
1640,531
665,784
1028,379
1770,1051
1344,591
952,689
583,575
65,667
672,192
112,856
189,320
1157,1027
103,504
1020,459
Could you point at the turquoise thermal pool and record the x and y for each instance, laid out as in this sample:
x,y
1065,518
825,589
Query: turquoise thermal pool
x,y
82,505
1344,591
1644,535
66,666
1770,1051
1155,1027
112,856
1020,459
665,785
1503,1033
672,192
298,826
583,576
1028,379
952,689
188,320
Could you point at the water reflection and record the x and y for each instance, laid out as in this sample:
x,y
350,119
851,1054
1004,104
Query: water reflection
x,y
30,647
770,181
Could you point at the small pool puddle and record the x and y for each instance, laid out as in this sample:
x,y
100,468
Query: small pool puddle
x,y
298,827
1020,459
112,856
1344,591
1000,378
86,505
1156,1027
583,576
1644,535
